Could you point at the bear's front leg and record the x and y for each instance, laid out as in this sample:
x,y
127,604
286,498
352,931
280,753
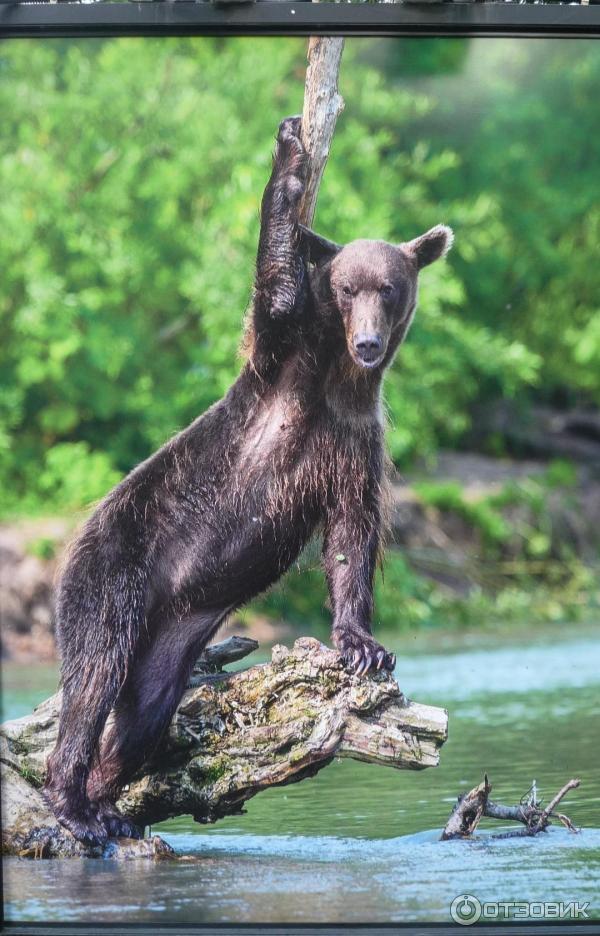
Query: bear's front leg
x,y
279,267
349,554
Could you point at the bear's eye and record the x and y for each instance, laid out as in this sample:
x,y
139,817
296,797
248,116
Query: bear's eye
x,y
386,290
347,290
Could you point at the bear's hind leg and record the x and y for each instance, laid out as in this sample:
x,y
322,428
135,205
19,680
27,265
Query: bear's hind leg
x,y
144,711
67,773
99,617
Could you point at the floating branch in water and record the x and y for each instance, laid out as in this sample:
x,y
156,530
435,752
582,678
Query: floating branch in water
x,y
473,806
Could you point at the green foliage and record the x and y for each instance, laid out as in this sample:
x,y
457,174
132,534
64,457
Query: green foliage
x,y
522,118
73,475
571,594
131,177
560,474
525,592
527,532
533,529
479,513
422,57
402,597
43,548
131,174
32,776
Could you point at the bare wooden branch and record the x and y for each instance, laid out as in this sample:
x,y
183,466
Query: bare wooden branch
x,y
467,812
566,822
549,810
472,806
233,735
507,813
322,105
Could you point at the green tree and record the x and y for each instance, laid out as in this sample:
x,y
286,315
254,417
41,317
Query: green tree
x,y
131,173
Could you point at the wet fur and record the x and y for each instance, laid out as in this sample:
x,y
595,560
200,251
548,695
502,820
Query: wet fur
x,y
221,512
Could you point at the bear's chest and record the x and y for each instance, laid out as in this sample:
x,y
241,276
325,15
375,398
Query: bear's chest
x,y
272,427
280,422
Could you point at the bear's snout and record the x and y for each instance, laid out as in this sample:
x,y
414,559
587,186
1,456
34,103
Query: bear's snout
x,y
368,348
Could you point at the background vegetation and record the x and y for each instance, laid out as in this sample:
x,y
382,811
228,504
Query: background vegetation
x,y
131,173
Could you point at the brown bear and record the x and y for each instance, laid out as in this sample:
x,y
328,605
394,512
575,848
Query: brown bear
x,y
222,510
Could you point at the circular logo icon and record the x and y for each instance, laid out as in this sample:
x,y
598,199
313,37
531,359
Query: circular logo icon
x,y
465,909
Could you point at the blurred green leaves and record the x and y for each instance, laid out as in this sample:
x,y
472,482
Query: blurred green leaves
x,y
131,173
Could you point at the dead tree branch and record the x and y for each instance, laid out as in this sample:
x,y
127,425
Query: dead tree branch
x,y
322,105
473,806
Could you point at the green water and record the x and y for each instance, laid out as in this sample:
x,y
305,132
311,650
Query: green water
x,y
360,843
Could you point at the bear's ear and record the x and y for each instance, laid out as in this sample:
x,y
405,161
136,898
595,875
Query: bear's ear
x,y
430,246
316,249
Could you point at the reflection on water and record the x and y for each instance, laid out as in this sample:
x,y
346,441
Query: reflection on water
x,y
348,846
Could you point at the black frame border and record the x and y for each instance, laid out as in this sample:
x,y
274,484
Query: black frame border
x,y
279,17
44,20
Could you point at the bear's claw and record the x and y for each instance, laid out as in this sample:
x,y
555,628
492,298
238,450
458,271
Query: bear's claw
x,y
116,825
291,154
86,829
289,128
361,653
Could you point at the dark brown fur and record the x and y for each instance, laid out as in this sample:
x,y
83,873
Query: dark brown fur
x,y
223,509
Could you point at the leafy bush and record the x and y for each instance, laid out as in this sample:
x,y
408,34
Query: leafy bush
x,y
132,173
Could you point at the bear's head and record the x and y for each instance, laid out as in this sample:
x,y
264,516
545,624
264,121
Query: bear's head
x,y
368,289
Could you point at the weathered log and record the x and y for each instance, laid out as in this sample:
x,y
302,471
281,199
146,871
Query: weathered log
x,y
322,105
471,807
233,735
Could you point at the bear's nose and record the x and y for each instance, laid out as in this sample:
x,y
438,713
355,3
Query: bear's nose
x,y
368,347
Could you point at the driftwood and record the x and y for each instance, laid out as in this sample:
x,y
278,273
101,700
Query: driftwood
x,y
233,735
322,105
473,806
